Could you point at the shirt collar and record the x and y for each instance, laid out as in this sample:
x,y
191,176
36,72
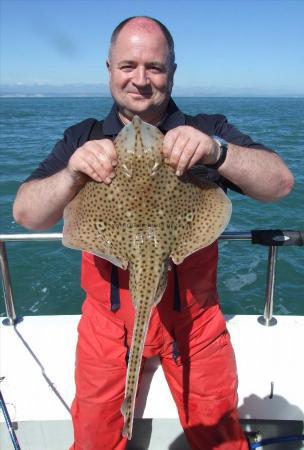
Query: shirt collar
x,y
173,118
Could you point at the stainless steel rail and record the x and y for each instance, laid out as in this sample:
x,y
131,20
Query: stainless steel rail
x,y
30,237
7,287
267,319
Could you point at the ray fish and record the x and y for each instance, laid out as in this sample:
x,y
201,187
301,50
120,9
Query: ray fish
x,y
146,216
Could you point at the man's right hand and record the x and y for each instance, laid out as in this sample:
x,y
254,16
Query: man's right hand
x,y
39,203
94,159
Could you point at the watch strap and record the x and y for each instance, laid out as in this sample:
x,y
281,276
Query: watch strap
x,y
223,153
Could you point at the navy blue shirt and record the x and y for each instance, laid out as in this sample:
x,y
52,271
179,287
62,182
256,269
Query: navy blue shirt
x,y
76,135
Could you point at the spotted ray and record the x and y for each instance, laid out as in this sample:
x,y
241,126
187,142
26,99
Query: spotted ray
x,y
144,217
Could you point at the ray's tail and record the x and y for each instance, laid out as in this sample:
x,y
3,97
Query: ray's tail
x,y
142,318
148,275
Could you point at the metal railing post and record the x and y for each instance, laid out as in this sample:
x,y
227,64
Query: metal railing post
x,y
11,319
267,319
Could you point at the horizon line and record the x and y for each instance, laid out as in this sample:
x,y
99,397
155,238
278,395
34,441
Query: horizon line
x,y
96,95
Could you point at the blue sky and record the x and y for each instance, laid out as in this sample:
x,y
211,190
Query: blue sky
x,y
225,47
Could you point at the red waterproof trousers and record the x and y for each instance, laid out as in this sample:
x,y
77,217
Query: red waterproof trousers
x,y
196,356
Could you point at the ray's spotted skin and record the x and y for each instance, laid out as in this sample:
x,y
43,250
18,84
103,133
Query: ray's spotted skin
x,y
144,217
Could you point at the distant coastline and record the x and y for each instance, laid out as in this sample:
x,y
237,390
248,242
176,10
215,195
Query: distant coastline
x,y
61,95
40,90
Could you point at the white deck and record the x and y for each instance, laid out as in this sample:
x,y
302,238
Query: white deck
x,y
37,361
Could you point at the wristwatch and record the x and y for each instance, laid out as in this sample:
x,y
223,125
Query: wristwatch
x,y
223,146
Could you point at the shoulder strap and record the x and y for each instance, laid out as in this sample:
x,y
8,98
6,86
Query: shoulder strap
x,y
96,131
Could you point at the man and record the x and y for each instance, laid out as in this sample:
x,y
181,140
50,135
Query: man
x,y
187,328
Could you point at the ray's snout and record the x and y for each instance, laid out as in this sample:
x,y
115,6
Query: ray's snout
x,y
136,121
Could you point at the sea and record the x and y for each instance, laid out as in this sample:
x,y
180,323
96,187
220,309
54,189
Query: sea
x,y
45,275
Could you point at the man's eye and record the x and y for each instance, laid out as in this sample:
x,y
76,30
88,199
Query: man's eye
x,y
126,68
155,69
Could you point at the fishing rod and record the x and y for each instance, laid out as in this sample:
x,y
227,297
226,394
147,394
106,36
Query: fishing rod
x,y
8,421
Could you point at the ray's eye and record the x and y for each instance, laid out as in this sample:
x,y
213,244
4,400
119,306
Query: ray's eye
x,y
155,168
127,169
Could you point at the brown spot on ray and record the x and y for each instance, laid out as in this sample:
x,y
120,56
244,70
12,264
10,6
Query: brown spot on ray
x,y
144,217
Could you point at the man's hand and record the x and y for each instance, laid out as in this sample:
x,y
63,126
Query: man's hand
x,y
184,146
39,204
94,159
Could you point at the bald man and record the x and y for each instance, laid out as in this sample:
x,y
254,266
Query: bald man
x,y
187,329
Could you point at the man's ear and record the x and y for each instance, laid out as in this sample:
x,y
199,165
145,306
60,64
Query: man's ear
x,y
172,75
174,68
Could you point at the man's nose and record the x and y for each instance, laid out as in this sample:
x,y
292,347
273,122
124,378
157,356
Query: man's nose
x,y
140,77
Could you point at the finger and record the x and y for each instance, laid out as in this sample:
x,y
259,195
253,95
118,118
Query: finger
x,y
93,160
103,162
186,157
80,165
168,144
179,148
198,156
101,165
88,169
107,147
88,161
101,156
195,159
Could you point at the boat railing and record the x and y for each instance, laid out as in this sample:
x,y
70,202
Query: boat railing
x,y
270,238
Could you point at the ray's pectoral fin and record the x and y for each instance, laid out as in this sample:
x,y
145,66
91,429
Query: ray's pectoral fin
x,y
93,234
201,222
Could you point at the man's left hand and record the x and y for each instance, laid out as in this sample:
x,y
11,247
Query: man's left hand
x,y
184,146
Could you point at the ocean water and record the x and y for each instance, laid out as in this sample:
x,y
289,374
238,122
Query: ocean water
x,y
45,275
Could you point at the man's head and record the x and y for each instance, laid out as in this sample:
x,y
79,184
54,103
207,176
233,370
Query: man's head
x,y
141,68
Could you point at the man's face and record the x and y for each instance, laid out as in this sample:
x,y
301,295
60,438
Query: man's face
x,y
141,73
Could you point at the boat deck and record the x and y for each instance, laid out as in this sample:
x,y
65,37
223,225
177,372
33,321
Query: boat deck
x,y
37,361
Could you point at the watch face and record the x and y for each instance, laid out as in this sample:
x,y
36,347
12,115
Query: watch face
x,y
220,141
223,152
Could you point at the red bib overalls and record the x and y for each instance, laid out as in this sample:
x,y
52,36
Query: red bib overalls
x,y
191,341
